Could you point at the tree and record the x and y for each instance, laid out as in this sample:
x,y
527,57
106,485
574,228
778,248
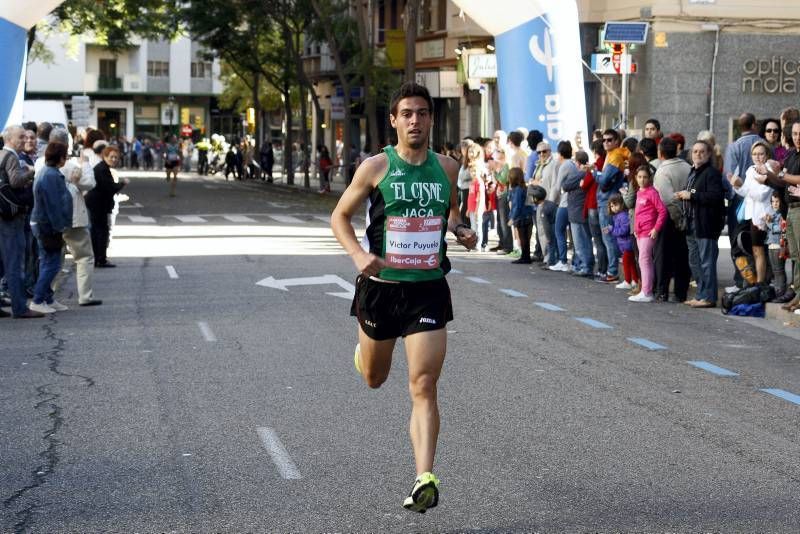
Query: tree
x,y
411,21
238,32
114,23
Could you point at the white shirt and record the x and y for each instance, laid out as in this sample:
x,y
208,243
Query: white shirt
x,y
757,202
80,217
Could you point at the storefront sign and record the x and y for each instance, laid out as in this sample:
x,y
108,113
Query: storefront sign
x,y
448,85
775,76
337,108
482,66
433,49
431,82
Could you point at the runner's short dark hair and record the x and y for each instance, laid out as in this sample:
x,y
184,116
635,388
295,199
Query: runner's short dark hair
x,y
408,90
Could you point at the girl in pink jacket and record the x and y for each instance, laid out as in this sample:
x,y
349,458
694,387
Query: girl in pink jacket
x,y
651,214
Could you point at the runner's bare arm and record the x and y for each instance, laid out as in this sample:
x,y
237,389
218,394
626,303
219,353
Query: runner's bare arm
x,y
366,178
464,235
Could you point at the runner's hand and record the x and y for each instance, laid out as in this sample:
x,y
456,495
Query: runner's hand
x,y
368,264
467,237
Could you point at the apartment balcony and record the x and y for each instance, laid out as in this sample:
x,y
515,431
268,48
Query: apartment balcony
x,y
109,83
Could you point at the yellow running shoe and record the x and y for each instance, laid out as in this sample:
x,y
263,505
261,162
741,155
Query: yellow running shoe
x,y
424,494
357,358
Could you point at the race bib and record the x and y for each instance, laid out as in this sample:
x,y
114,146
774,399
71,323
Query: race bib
x,y
413,242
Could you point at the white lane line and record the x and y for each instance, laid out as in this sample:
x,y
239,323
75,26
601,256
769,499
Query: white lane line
x,y
238,218
135,205
172,272
280,457
513,293
456,271
287,219
206,331
141,219
324,218
190,218
478,280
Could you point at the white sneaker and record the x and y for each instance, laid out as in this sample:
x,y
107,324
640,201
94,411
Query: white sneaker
x,y
641,297
624,285
731,289
41,308
557,267
57,306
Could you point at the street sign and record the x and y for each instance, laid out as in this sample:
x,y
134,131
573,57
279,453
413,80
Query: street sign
x,y
81,111
626,32
186,130
611,63
349,289
337,108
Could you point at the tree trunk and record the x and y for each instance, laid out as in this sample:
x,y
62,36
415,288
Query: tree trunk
x,y
371,106
344,81
259,125
288,168
411,19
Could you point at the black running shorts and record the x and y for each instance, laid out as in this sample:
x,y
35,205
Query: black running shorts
x,y
388,310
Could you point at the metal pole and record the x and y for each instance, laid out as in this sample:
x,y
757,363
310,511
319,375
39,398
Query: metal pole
x,y
624,101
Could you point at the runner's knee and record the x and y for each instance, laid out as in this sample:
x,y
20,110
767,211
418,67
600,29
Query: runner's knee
x,y
423,386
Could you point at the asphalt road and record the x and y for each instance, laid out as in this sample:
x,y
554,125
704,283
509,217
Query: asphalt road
x,y
195,400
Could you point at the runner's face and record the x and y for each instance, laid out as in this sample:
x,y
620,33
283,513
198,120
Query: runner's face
x,y
413,122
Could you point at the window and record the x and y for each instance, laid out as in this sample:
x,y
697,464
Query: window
x,y
201,69
108,68
158,69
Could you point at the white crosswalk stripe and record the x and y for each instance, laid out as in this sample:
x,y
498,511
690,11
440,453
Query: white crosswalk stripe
x,y
287,219
190,218
239,218
141,219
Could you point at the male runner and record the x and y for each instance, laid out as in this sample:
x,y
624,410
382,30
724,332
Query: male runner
x,y
401,290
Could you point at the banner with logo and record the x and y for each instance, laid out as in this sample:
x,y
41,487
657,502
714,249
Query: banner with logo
x,y
15,19
539,68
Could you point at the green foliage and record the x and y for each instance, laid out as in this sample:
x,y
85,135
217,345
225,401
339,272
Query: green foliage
x,y
237,91
114,23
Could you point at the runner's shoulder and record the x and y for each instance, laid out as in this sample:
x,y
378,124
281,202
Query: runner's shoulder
x,y
374,168
449,165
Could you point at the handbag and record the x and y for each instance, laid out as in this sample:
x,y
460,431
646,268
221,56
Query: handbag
x,y
52,242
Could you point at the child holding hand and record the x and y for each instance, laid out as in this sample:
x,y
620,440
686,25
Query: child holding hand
x,y
621,230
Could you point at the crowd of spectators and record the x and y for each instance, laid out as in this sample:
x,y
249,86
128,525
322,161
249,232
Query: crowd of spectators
x,y
646,214
56,196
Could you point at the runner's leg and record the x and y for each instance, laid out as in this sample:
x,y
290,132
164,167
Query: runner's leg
x,y
375,358
425,352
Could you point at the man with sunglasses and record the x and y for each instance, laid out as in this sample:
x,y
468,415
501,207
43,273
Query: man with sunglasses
x,y
610,181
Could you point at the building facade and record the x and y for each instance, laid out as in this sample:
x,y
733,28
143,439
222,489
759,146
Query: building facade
x,y
704,63
151,89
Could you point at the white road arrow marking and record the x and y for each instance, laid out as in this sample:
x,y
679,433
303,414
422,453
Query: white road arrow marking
x,y
283,285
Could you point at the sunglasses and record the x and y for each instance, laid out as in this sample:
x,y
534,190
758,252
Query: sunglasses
x,y
772,130
608,139
542,151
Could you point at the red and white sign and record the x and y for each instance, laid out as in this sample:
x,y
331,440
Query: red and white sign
x,y
413,242
186,130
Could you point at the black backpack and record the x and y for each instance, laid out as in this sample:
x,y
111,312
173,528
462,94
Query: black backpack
x,y
749,295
